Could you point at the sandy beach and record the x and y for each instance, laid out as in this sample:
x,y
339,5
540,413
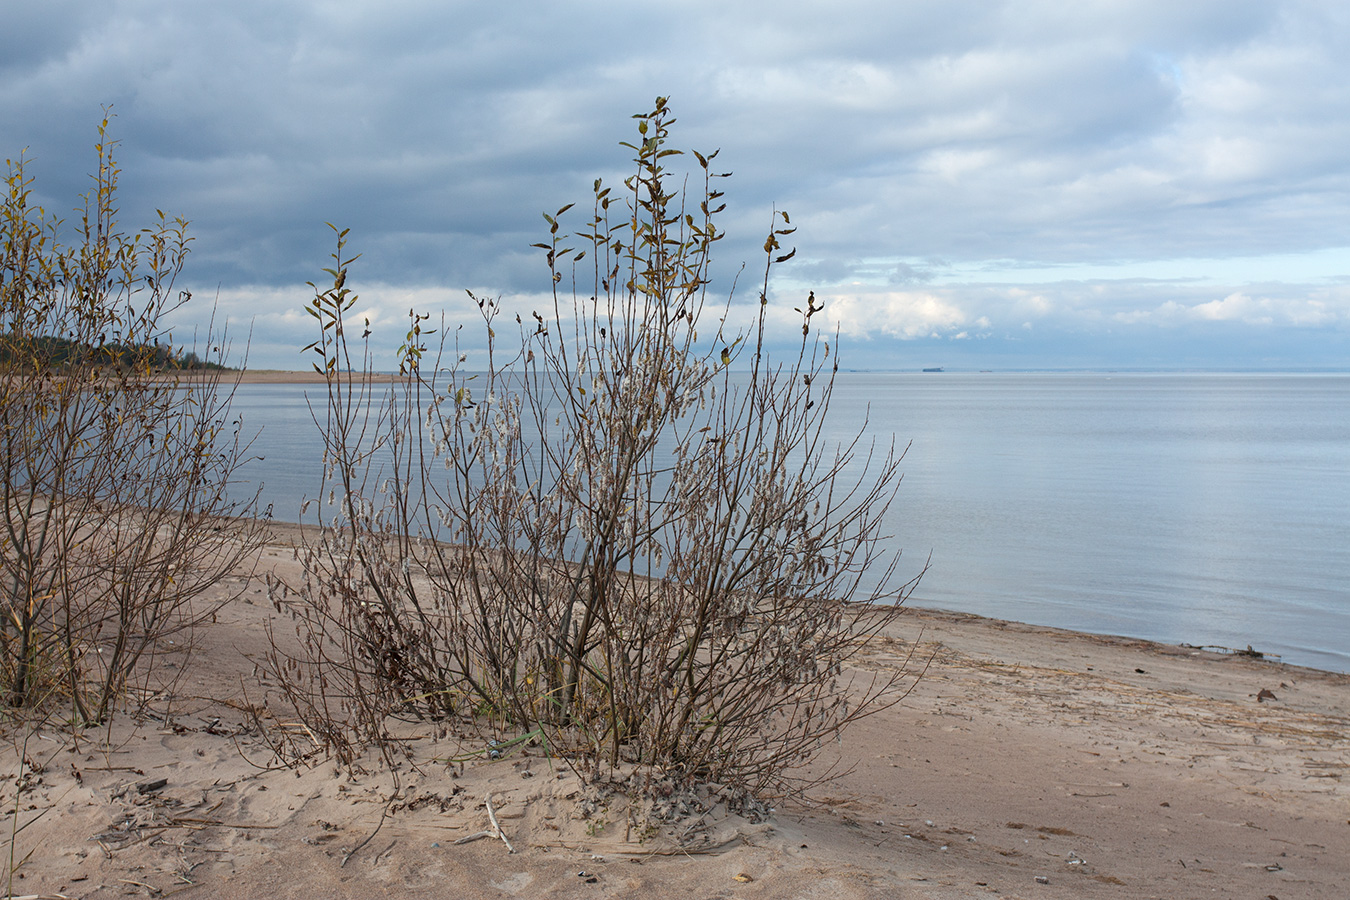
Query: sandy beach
x,y
1028,762
271,376
281,376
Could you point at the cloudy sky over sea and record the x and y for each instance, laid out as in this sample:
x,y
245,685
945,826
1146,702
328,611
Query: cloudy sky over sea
x,y
976,184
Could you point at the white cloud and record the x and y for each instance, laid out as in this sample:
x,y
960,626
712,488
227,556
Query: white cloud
x,y
1302,312
902,314
1027,302
1169,312
1234,307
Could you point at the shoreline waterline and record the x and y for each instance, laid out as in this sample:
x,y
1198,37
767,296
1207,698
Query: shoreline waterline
x,y
1195,508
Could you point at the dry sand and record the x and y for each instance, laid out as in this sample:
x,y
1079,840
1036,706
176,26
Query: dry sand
x,y
1029,762
285,376
276,376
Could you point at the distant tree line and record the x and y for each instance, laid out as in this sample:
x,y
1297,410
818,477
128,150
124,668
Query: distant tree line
x,y
59,353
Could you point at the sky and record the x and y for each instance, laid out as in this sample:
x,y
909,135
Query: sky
x,y
976,185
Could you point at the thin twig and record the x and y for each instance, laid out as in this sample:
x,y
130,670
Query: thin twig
x,y
477,835
497,826
190,820
384,814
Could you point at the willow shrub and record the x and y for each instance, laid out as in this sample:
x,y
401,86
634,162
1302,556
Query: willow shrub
x,y
627,537
116,455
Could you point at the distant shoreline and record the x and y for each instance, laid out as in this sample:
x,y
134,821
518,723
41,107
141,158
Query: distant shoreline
x,y
281,376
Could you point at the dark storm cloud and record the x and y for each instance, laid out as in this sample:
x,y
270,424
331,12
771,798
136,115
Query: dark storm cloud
x,y
927,150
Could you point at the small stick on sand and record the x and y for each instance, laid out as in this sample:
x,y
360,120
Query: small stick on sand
x,y
497,827
475,836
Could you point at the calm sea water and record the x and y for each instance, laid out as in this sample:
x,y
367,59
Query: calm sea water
x,y
1200,508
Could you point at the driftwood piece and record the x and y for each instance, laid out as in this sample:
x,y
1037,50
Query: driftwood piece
x,y
497,826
